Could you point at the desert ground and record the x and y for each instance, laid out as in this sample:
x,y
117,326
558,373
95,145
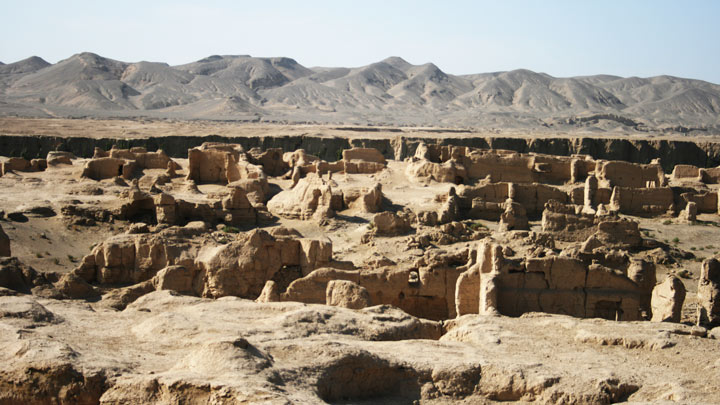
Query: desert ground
x,y
143,128
170,261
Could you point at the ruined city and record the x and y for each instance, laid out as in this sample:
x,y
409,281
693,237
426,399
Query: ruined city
x,y
359,203
383,267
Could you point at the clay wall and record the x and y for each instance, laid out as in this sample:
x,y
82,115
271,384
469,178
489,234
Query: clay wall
x,y
486,201
426,298
534,196
22,165
567,222
625,174
107,168
483,202
685,172
642,201
555,170
706,202
208,166
565,286
501,168
710,176
364,154
554,284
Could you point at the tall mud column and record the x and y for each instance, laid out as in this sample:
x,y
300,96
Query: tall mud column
x,y
591,186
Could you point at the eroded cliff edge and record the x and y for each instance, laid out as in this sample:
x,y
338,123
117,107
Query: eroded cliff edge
x,y
670,152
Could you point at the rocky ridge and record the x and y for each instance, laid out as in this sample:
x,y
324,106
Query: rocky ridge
x,y
388,92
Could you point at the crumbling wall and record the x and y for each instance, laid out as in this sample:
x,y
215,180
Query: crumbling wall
x,y
142,158
311,197
553,284
483,201
363,160
314,197
534,197
450,171
568,222
242,268
566,286
501,167
631,175
686,172
228,164
710,176
270,159
487,201
709,293
239,268
235,209
134,258
455,164
107,168
426,291
556,170
124,163
645,202
706,202
354,161
212,163
55,158
18,164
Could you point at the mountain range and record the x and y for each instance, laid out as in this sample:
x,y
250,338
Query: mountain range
x,y
389,92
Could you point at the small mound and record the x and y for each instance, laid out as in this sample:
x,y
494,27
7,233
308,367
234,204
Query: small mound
x,y
26,309
360,375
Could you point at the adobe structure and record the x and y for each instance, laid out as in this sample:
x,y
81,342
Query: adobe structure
x,y
433,244
565,240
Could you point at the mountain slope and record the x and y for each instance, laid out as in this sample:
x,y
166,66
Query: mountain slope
x,y
84,81
28,65
392,91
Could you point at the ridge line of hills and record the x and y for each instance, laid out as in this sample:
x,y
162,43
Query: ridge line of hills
x,y
388,92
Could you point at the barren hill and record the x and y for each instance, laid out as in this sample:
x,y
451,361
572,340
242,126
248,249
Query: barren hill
x,y
389,92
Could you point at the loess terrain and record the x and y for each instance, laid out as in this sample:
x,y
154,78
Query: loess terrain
x,y
197,262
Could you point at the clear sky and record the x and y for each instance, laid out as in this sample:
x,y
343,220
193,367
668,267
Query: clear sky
x,y
561,38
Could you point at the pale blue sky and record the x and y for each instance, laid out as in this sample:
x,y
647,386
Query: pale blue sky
x,y
561,38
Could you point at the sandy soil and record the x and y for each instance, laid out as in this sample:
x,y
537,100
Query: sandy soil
x,y
143,128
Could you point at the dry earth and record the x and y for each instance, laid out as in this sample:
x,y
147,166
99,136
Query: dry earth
x,y
219,297
153,127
